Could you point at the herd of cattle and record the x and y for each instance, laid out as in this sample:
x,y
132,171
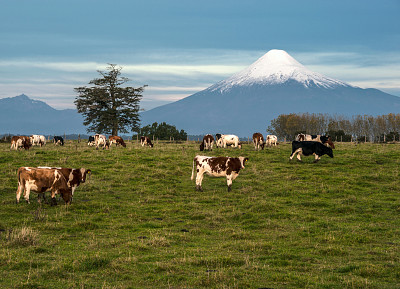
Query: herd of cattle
x,y
64,181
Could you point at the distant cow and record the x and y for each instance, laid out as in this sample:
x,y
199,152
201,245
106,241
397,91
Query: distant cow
x,y
100,140
117,140
258,141
229,140
217,136
271,140
42,180
38,139
308,148
91,141
207,143
217,167
74,177
21,141
144,140
58,140
324,139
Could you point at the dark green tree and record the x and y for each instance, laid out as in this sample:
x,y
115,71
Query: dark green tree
x,y
163,131
108,106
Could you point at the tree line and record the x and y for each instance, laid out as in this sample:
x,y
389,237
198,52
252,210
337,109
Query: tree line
x,y
381,128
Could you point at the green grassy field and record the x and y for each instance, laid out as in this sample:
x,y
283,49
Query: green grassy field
x,y
139,223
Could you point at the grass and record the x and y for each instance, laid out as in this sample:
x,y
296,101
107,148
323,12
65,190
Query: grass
x,y
139,223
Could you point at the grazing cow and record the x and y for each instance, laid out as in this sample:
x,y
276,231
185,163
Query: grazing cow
x,y
91,141
42,180
100,139
308,148
207,143
38,140
258,141
324,139
74,177
117,140
217,136
217,167
229,140
20,142
58,140
271,140
144,140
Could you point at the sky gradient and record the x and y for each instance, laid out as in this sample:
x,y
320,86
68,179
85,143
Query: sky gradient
x,y
178,48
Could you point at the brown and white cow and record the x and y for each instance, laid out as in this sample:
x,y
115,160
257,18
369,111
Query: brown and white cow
x,y
38,140
271,140
207,143
100,140
117,140
217,167
324,139
258,141
74,177
229,140
40,181
144,140
20,142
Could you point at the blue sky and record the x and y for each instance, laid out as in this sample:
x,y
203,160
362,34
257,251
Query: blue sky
x,y
179,47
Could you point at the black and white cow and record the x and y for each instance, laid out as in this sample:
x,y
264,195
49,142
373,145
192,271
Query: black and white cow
x,y
207,143
144,140
58,140
324,139
91,141
217,167
308,148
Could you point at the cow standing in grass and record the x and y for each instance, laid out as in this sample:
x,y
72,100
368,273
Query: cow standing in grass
x,y
258,141
217,167
40,181
308,148
207,143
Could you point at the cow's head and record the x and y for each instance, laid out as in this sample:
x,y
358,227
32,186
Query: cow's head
x,y
243,161
66,194
83,173
328,151
202,146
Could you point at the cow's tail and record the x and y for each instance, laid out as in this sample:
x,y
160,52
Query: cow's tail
x,y
193,169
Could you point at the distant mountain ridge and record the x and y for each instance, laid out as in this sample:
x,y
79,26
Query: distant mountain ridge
x,y
23,115
275,84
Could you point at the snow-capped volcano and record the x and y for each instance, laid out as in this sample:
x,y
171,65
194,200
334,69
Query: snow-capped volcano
x,y
275,84
277,67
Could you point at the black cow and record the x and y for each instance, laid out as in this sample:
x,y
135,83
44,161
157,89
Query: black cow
x,y
308,148
58,140
91,141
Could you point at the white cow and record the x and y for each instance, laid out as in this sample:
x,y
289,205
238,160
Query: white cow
x,y
271,140
100,139
38,139
229,140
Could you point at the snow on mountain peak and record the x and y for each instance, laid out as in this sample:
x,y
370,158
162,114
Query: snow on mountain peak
x,y
277,67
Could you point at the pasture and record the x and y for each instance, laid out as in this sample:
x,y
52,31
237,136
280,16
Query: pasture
x,y
139,223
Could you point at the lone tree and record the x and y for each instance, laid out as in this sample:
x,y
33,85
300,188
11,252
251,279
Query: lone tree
x,y
108,107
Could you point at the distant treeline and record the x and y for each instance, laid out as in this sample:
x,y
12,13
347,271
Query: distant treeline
x,y
381,128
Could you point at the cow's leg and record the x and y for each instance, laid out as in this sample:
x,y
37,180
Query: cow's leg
x,y
199,180
19,192
27,193
53,198
317,157
298,151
